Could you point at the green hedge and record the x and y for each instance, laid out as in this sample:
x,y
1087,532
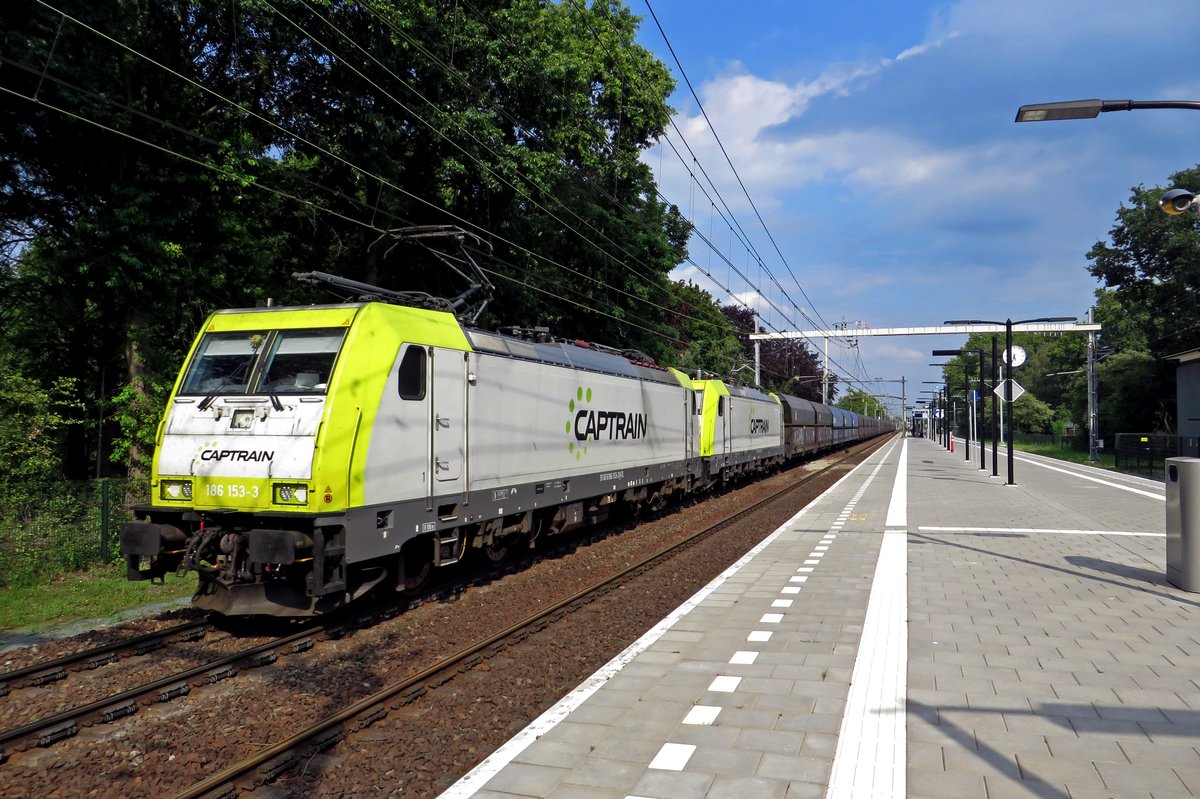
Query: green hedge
x,y
48,529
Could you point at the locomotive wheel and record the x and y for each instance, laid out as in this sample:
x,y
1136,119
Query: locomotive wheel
x,y
497,551
416,573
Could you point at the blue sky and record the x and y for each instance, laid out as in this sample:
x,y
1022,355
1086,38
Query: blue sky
x,y
876,140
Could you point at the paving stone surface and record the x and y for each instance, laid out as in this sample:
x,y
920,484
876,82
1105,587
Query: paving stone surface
x,y
1044,654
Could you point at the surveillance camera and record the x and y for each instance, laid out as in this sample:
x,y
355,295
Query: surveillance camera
x,y
1177,201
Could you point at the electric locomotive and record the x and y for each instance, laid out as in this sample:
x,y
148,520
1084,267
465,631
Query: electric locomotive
x,y
309,454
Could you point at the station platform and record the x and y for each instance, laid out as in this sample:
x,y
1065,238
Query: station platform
x,y
921,630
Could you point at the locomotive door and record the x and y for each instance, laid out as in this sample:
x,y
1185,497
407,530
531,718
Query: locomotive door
x,y
448,422
724,414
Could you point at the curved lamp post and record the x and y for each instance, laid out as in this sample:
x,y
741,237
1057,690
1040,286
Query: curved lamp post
x,y
1090,109
1175,201
973,404
1008,400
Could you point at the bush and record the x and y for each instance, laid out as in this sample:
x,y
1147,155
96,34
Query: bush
x,y
47,529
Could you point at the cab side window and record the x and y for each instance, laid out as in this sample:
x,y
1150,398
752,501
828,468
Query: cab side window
x,y
412,374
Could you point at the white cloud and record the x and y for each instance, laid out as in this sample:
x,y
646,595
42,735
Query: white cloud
x,y
889,208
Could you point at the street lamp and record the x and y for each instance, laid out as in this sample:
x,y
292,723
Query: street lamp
x,y
938,402
1090,109
1008,399
939,353
1175,201
947,433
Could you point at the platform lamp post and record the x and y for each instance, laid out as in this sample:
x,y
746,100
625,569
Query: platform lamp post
x,y
946,434
979,353
938,403
966,399
995,412
931,404
1090,109
1008,398
1174,201
949,432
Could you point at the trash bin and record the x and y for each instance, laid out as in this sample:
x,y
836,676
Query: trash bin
x,y
1183,523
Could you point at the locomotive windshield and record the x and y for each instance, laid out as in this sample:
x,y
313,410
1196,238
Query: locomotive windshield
x,y
266,361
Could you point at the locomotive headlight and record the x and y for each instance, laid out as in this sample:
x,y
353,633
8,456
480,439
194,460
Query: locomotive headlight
x,y
288,494
176,490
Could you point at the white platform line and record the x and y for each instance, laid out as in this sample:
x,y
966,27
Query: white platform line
x,y
871,754
897,512
724,684
872,745
673,757
1028,530
475,779
1110,483
702,715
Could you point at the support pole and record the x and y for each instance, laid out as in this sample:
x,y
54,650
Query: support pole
x,y
1093,400
967,404
757,356
995,412
825,376
1008,399
978,419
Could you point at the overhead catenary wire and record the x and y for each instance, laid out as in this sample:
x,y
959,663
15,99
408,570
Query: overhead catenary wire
x,y
326,151
293,135
587,178
483,165
695,160
728,160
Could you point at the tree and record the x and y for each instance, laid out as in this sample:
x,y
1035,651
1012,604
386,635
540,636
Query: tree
x,y
861,402
1151,268
705,338
168,158
1031,415
33,420
786,366
1152,264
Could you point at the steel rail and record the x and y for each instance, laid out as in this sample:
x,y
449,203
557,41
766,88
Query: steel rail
x,y
39,674
267,764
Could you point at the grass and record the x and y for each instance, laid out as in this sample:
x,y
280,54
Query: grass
x,y
1107,459
100,592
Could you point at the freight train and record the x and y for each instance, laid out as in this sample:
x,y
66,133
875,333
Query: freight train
x,y
310,454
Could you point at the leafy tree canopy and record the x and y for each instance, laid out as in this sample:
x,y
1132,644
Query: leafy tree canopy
x,y
168,158
861,402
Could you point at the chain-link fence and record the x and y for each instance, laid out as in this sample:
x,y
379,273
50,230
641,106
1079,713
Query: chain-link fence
x,y
53,528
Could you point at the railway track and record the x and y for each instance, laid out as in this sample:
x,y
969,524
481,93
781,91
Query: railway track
x,y
324,679
276,760
48,672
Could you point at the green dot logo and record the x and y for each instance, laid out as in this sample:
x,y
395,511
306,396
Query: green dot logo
x,y
581,395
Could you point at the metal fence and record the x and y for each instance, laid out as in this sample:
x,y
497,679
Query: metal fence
x,y
53,528
1145,453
